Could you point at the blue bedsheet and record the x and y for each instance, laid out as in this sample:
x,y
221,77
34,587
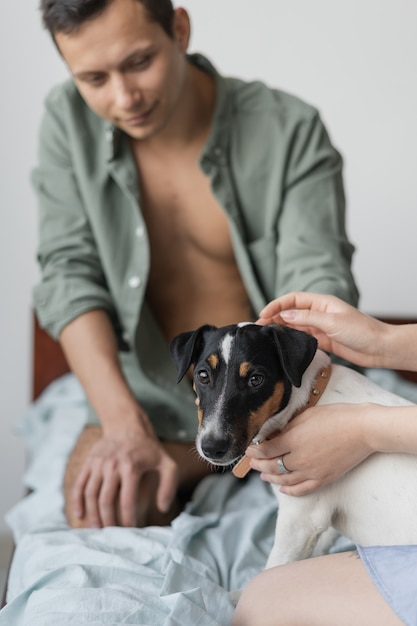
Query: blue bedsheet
x,y
187,574
184,575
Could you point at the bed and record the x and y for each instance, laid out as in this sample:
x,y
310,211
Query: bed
x,y
187,574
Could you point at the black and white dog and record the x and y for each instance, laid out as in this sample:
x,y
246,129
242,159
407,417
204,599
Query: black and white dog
x,y
250,380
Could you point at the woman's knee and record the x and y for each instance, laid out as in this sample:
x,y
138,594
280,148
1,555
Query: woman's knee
x,y
259,603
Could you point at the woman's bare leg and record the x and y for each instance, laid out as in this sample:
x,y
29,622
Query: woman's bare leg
x,y
333,590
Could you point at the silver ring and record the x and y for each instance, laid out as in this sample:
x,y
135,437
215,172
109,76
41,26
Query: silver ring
x,y
281,467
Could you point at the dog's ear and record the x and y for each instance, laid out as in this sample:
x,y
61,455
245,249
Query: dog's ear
x,y
296,350
186,347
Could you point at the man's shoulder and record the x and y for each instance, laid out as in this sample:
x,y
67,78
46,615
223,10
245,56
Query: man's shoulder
x,y
251,98
65,103
65,93
67,115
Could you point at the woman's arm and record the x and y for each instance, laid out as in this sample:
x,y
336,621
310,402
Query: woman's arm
x,y
324,442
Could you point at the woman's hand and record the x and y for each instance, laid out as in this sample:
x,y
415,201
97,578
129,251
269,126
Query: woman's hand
x,y
318,446
338,327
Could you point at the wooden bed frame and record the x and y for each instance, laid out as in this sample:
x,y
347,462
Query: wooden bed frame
x,y
49,363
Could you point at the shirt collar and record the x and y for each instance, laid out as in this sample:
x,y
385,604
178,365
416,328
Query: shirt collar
x,y
112,138
216,148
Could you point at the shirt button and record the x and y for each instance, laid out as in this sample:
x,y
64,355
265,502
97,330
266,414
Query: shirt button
x,y
125,337
218,151
139,231
134,282
131,182
182,434
109,134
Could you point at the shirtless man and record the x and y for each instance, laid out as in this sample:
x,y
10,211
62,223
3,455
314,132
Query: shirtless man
x,y
169,197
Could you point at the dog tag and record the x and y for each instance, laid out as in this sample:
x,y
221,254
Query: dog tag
x,y
242,467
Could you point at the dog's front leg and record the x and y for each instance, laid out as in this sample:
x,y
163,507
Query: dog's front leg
x,y
299,525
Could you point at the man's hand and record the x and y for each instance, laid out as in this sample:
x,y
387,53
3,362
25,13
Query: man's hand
x,y
112,480
114,470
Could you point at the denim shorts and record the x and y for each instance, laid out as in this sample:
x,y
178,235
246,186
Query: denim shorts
x,y
393,570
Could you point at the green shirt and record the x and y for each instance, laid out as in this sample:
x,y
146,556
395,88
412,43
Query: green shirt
x,y
273,170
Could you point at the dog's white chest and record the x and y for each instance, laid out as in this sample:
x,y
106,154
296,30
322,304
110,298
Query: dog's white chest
x,y
373,504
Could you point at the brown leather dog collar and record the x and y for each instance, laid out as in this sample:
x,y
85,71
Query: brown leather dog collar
x,y
242,467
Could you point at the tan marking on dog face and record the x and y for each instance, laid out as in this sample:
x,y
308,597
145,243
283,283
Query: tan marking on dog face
x,y
258,418
244,369
213,361
197,399
199,414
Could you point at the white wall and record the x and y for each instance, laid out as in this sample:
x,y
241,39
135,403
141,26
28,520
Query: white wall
x,y
29,65
354,59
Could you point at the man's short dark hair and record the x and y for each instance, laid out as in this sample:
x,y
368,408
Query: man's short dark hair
x,y
66,16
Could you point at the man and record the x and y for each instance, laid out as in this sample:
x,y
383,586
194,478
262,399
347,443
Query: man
x,y
169,197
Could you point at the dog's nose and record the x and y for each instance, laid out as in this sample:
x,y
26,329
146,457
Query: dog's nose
x,y
216,448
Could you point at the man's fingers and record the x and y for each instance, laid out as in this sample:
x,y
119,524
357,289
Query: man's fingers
x,y
91,493
130,496
168,483
77,496
107,500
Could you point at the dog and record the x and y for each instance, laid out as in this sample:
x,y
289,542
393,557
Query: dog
x,y
250,380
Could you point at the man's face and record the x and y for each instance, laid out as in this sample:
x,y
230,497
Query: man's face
x,y
127,69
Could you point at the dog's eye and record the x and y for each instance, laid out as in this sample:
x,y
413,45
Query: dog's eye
x,y
203,377
256,380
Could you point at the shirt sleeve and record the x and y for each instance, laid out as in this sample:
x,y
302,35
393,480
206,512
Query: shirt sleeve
x,y
313,250
72,280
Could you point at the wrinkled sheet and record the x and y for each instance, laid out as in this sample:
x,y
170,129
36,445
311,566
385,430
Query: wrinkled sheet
x,y
187,574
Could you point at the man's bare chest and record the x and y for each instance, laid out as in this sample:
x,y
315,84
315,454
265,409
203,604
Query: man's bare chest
x,y
193,277
182,215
